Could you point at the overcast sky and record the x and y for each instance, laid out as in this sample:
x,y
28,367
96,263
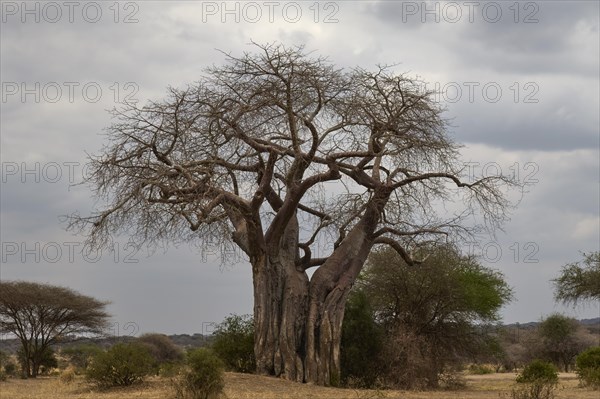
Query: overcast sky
x,y
520,82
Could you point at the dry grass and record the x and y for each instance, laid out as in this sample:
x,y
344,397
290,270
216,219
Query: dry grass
x,y
244,386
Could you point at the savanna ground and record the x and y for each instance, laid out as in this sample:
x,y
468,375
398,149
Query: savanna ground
x,y
246,386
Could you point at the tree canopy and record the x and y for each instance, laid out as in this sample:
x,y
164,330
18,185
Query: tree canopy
x,y
579,281
447,287
301,164
41,315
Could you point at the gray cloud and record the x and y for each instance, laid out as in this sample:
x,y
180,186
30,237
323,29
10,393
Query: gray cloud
x,y
507,29
170,44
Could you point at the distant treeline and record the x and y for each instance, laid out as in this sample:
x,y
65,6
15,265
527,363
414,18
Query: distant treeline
x,y
11,345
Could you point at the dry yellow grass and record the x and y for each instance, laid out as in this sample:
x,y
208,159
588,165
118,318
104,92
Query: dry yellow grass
x,y
244,386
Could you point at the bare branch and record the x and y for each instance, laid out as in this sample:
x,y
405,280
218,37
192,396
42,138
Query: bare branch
x,y
242,153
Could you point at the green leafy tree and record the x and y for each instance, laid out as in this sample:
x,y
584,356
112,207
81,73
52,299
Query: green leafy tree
x,y
562,339
579,281
493,352
40,315
433,313
233,342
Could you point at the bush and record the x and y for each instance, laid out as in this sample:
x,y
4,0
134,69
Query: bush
x,y
452,381
4,357
7,367
162,349
479,369
588,367
10,369
68,375
79,356
203,378
121,365
539,379
169,370
234,343
362,341
411,361
538,371
534,391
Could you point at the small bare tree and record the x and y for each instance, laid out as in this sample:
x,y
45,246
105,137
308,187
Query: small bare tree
x,y
40,315
245,154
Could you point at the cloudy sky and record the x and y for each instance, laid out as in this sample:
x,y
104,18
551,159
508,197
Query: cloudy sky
x,y
520,82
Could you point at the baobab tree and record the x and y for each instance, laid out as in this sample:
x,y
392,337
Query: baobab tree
x,y
247,153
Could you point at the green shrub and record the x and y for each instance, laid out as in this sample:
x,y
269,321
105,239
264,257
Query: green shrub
x,y
79,356
362,342
534,391
121,365
169,370
202,378
7,367
4,357
538,371
162,349
10,369
234,343
539,381
588,367
479,369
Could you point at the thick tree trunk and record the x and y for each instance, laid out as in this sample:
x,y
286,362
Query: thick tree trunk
x,y
329,289
280,301
27,367
298,323
35,368
280,298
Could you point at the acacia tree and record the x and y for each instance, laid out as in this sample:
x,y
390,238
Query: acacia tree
x,y
435,315
579,280
245,154
562,339
40,315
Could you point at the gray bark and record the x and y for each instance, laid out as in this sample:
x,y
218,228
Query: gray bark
x,y
298,322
